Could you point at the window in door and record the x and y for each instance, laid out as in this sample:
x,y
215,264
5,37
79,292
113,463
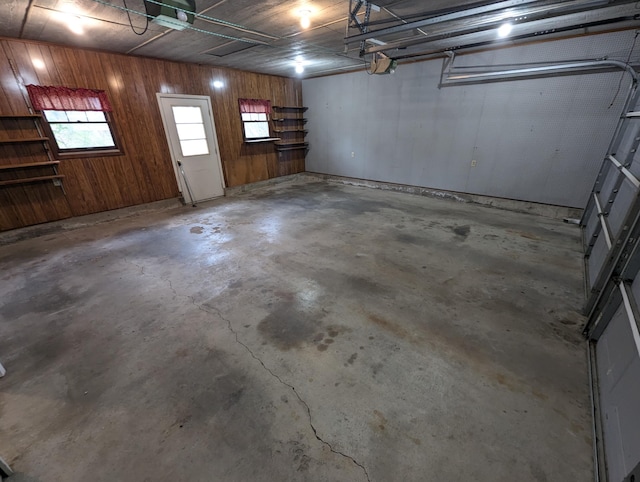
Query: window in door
x,y
191,133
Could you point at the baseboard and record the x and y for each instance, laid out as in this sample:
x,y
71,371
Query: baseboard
x,y
37,230
539,209
232,191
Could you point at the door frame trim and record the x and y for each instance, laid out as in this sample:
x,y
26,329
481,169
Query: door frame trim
x,y
174,161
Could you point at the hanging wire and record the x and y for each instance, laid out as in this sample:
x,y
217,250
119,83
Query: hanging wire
x,y
131,23
627,62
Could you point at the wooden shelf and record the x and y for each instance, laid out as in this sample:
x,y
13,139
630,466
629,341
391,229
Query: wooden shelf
x,y
27,139
19,169
20,116
291,146
27,180
291,143
290,119
290,107
287,131
289,126
30,164
266,139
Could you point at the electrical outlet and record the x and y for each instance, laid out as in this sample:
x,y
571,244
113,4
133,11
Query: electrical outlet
x,y
353,154
473,163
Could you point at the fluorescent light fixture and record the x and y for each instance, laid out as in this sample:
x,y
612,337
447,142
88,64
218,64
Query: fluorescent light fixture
x,y
504,30
218,84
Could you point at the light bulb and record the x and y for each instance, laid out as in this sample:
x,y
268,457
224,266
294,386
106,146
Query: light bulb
x,y
305,17
75,25
217,84
182,15
504,30
299,68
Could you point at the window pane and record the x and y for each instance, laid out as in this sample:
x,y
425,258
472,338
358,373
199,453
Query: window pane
x,y
245,116
82,136
56,115
187,115
256,130
194,148
190,131
261,117
77,116
93,116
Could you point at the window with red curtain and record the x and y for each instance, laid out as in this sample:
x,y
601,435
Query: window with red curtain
x,y
46,97
76,120
254,114
255,106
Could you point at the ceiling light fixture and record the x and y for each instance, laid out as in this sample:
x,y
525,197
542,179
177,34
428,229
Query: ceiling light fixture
x,y
299,68
181,15
305,18
75,25
504,30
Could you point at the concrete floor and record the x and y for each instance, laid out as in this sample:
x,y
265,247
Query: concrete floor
x,y
305,331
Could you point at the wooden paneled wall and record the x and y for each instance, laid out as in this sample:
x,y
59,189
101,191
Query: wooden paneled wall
x,y
144,173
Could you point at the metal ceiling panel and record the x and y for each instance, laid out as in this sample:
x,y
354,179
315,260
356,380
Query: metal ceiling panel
x,y
229,48
216,33
12,16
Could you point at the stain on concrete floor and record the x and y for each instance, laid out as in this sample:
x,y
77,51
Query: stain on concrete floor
x,y
306,331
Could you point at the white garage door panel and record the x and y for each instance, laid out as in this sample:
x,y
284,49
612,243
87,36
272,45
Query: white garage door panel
x,y
618,364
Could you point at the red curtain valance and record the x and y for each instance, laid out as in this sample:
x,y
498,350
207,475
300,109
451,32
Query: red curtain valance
x,y
255,106
45,97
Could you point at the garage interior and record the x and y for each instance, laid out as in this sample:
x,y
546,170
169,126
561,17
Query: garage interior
x,y
319,240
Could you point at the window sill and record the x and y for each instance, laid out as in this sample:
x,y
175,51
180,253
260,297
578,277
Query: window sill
x,y
256,141
88,154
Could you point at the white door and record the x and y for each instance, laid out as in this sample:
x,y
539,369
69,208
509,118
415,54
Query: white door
x,y
191,135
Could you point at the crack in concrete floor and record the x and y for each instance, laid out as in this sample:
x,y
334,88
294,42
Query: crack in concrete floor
x,y
253,355
461,318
